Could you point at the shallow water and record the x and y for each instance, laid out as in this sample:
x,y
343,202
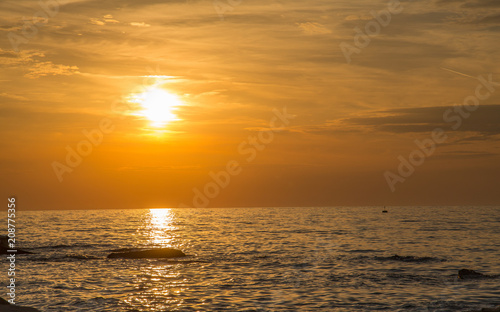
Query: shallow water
x,y
261,259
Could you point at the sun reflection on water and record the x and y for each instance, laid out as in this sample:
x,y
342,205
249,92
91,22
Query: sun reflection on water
x,y
160,226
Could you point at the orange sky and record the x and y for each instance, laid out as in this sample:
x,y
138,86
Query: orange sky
x,y
73,66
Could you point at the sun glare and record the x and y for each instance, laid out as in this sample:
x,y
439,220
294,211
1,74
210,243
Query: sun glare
x,y
157,105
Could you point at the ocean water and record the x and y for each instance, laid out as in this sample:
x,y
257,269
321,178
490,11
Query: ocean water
x,y
261,259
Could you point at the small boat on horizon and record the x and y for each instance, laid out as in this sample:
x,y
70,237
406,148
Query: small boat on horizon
x,y
385,210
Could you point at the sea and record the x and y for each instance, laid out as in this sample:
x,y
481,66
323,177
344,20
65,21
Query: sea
x,y
260,259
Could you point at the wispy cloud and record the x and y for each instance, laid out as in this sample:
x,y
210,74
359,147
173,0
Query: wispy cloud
x,y
141,24
312,28
426,119
33,65
40,69
13,96
106,19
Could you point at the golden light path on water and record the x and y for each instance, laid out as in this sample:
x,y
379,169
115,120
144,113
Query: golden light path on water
x,y
159,227
158,285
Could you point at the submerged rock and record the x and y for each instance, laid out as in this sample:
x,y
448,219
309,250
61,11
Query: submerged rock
x,y
149,253
3,251
409,258
5,306
497,309
4,246
469,274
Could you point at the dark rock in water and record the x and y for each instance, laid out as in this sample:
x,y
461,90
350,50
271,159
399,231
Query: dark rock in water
x,y
411,259
16,308
150,253
3,251
4,246
5,306
497,309
469,274
4,241
401,258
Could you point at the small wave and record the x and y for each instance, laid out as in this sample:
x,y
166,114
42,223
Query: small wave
x,y
132,249
63,258
95,303
127,249
362,250
62,246
182,261
410,278
410,259
81,257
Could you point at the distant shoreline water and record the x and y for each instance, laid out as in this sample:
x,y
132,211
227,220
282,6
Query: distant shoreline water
x,y
267,207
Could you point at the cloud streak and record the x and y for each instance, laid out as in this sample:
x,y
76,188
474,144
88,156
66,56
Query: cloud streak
x,y
425,119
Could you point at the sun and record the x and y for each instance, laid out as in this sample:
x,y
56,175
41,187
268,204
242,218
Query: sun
x,y
157,105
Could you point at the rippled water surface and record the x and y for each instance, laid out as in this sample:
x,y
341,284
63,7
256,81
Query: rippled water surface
x,y
261,259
